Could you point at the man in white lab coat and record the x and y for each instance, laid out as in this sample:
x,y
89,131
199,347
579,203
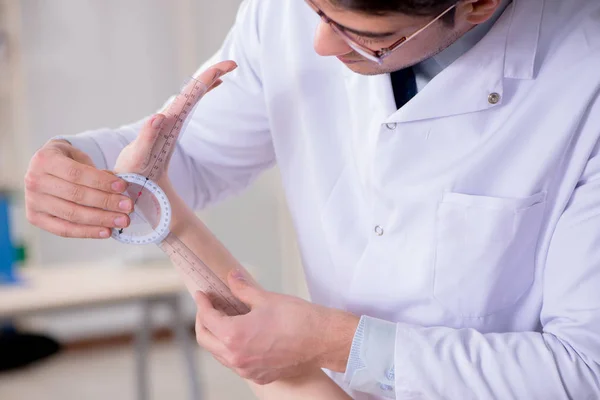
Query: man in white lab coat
x,y
441,161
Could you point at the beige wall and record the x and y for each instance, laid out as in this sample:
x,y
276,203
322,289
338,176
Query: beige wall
x,y
89,64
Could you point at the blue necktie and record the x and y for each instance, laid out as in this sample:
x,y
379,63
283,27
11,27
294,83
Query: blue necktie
x,y
404,85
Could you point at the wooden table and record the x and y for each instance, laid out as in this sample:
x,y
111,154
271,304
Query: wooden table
x,y
59,288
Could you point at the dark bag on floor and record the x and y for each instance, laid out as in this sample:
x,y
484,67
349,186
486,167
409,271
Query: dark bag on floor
x,y
18,349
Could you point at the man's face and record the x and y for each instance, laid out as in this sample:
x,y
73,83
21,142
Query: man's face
x,y
378,32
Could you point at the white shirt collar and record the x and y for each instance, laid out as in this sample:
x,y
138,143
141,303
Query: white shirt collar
x,y
428,69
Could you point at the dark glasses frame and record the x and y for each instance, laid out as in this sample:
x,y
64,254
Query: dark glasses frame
x,y
373,55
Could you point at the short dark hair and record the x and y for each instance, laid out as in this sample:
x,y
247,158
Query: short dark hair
x,y
409,7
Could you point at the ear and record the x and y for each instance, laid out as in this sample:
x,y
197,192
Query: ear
x,y
479,11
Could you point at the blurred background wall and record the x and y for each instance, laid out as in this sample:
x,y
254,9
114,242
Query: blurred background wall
x,y
73,65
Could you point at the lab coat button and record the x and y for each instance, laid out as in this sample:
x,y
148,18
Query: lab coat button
x,y
386,388
379,230
494,98
390,374
391,126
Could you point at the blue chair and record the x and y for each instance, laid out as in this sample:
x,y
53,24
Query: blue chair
x,y
7,250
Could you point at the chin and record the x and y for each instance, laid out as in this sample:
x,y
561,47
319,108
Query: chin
x,y
370,68
364,68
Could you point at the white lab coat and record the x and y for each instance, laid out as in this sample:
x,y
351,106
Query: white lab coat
x,y
475,226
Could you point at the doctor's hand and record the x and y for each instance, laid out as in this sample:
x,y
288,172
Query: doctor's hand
x,y
68,196
281,337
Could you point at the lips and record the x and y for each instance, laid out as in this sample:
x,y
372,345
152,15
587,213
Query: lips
x,y
347,60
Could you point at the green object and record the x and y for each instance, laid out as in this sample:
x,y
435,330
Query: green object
x,y
20,256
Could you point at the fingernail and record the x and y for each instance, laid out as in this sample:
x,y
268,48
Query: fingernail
x,y
121,222
104,234
158,121
239,275
118,186
125,205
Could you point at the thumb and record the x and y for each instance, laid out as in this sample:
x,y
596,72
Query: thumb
x,y
135,157
150,130
244,288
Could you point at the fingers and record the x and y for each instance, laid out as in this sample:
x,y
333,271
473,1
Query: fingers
x,y
215,85
212,74
148,134
82,195
136,156
75,213
210,78
205,338
85,175
212,319
209,342
198,86
67,229
72,198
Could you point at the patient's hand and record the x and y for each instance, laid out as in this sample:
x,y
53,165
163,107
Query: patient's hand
x,y
136,157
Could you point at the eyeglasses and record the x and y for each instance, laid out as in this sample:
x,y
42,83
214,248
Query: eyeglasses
x,y
373,55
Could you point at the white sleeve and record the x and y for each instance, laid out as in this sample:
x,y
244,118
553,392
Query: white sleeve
x,y
227,143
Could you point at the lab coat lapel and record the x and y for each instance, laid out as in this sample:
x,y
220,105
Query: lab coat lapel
x,y
474,82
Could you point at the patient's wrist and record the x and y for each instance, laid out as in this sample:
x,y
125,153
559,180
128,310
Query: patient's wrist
x,y
178,207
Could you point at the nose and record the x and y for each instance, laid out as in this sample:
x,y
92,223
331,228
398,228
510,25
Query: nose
x,y
329,43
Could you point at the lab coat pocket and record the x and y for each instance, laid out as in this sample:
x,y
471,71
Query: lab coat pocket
x,y
485,251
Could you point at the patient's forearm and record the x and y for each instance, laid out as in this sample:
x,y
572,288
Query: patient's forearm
x,y
195,235
314,385
190,230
